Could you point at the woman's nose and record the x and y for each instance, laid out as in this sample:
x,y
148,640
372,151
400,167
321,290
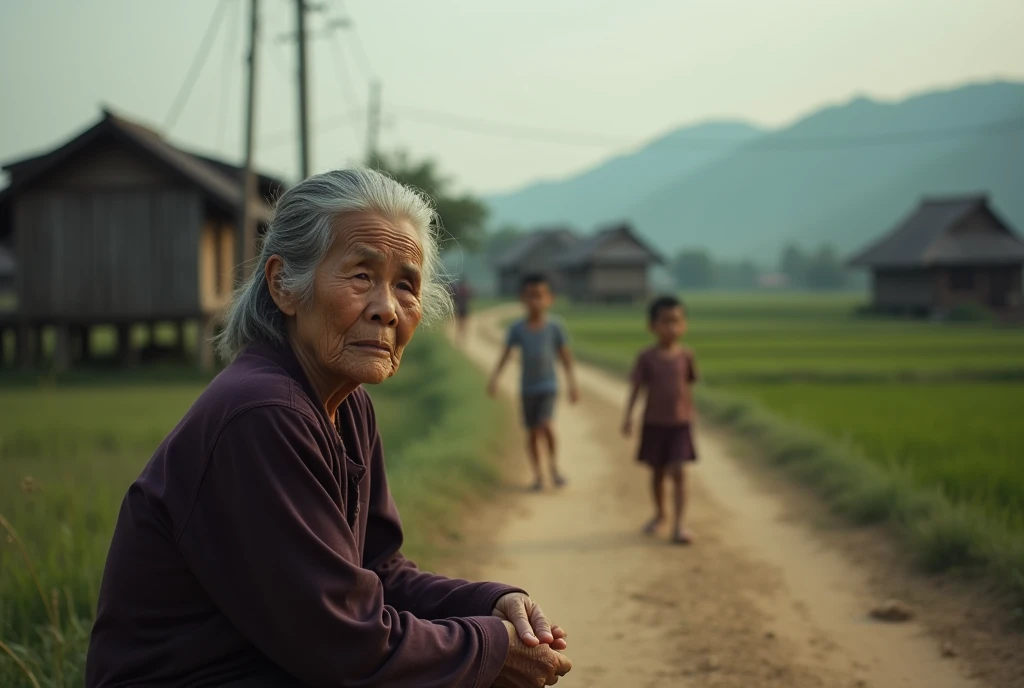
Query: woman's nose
x,y
383,306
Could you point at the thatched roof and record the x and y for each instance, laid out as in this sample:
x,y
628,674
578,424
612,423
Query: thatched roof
x,y
932,235
219,181
589,249
561,238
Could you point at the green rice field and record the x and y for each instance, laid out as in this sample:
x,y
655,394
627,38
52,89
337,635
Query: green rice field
x,y
739,337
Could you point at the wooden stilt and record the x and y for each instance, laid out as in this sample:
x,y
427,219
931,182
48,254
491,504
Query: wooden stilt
x,y
125,348
62,348
26,346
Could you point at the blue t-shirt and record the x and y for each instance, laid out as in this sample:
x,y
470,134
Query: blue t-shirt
x,y
539,349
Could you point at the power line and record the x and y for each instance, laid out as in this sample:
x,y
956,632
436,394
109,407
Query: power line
x,y
339,121
196,67
359,49
510,130
779,142
800,143
230,47
345,79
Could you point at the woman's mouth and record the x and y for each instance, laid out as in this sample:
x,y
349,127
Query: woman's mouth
x,y
373,347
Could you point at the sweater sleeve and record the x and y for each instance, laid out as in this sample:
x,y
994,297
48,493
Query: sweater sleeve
x,y
425,595
268,540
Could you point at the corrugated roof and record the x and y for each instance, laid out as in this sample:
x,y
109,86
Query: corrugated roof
x,y
923,238
525,246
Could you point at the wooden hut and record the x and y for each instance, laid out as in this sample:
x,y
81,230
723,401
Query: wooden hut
x,y
947,253
537,252
610,266
119,227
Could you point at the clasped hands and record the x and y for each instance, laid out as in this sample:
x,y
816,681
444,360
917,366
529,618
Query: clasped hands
x,y
534,645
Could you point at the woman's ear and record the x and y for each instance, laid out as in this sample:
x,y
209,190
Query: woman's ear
x,y
272,273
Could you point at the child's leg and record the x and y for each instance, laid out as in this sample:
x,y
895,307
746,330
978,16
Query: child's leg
x,y
533,445
658,495
679,504
548,431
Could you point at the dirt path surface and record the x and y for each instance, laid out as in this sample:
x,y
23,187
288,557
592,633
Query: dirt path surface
x,y
759,601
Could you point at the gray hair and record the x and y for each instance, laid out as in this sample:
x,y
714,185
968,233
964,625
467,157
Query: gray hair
x,y
302,232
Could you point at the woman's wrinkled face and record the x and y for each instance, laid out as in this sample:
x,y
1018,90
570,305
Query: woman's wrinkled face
x,y
366,300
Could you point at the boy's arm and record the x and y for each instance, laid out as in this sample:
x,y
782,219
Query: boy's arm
x,y
565,354
637,380
634,394
492,386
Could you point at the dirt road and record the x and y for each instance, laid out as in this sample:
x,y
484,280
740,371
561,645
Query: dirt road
x,y
760,601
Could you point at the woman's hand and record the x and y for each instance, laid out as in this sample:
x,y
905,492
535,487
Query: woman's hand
x,y
529,621
530,667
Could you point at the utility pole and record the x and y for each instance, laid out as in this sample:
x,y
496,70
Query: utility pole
x,y
373,122
247,224
303,92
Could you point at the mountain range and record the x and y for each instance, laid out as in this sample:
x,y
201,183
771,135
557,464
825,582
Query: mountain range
x,y
842,175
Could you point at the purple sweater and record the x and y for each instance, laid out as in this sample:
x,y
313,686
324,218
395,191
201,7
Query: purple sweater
x,y
261,546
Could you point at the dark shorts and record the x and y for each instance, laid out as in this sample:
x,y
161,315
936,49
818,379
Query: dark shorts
x,y
538,408
664,446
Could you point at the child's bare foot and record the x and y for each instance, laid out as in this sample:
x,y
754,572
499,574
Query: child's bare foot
x,y
652,526
682,537
537,486
558,479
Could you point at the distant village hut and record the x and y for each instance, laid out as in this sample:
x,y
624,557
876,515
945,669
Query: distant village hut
x,y
949,252
611,266
119,227
537,252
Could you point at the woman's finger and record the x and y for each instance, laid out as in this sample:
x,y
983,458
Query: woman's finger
x,y
518,618
558,632
558,645
541,625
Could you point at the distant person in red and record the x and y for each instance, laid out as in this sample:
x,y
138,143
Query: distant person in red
x,y
462,294
667,372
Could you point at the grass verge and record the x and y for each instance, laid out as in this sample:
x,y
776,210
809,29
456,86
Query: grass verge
x,y
941,535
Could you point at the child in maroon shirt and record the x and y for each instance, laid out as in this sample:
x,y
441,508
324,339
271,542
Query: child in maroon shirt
x,y
667,371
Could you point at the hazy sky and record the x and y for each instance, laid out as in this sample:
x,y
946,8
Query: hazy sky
x,y
617,73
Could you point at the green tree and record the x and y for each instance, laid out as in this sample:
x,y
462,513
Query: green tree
x,y
693,269
825,270
462,216
793,264
497,242
739,275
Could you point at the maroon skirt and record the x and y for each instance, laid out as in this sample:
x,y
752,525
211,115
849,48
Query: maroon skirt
x,y
662,446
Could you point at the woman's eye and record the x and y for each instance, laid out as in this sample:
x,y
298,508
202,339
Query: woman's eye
x,y
406,286
363,276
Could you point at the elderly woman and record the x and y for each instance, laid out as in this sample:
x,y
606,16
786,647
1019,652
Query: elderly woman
x,y
260,546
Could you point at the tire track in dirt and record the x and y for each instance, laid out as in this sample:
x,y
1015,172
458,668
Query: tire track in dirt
x,y
759,601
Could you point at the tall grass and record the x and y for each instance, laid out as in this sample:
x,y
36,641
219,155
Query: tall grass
x,y
67,455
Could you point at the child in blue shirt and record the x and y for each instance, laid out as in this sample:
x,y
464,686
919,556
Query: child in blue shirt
x,y
540,340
